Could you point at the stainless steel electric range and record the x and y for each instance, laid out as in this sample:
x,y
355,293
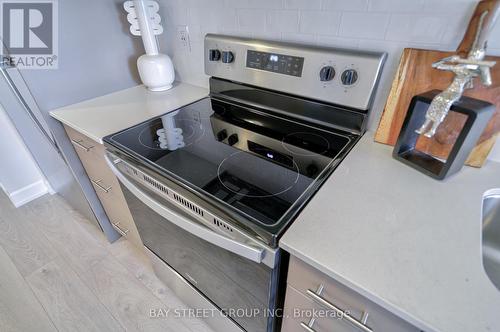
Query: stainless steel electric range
x,y
213,185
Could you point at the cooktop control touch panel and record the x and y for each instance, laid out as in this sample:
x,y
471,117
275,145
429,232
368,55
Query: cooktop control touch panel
x,y
337,76
276,63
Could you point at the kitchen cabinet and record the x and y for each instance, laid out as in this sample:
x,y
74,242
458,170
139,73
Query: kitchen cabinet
x,y
316,302
105,184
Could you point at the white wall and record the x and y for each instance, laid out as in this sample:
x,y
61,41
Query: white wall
x,y
20,177
97,55
382,25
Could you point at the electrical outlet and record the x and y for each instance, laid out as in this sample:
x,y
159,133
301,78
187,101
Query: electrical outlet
x,y
183,37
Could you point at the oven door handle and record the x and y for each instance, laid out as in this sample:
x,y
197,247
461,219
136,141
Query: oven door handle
x,y
246,250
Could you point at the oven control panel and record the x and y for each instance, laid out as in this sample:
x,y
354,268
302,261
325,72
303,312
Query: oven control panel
x,y
276,63
338,76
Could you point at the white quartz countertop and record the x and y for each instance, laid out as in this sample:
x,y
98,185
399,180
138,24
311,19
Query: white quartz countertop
x,y
102,116
410,243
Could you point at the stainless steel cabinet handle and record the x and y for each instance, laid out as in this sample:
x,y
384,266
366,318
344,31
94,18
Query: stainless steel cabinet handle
x,y
123,232
98,185
309,326
320,300
81,146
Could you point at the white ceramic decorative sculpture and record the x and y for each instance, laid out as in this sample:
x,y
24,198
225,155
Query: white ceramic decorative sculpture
x,y
155,69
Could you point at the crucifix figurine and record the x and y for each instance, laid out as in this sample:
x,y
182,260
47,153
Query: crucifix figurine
x,y
465,71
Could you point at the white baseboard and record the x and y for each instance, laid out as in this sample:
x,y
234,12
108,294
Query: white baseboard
x,y
28,193
49,188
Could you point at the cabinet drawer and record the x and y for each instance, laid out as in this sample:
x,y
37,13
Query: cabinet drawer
x,y
302,313
119,215
83,144
105,185
101,176
109,192
309,281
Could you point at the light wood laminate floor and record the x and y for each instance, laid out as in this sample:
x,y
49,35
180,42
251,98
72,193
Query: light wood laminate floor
x,y
59,273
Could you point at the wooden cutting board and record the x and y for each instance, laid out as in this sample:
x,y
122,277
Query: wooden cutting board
x,y
415,75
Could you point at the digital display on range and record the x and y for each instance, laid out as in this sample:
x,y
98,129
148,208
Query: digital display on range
x,y
276,63
268,153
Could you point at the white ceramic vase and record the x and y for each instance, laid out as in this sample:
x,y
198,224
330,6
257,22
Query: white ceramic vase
x,y
156,71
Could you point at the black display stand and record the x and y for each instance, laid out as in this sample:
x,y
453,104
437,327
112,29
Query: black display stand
x,y
478,114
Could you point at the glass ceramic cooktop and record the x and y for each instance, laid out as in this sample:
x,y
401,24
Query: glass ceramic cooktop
x,y
257,163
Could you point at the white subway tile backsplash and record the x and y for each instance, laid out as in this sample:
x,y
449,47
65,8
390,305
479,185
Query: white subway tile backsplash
x,y
196,33
323,22
200,15
364,25
450,6
454,31
276,4
345,5
283,20
494,40
396,6
252,19
172,16
268,35
203,20
302,38
339,42
245,34
303,4
392,48
417,28
381,25
203,3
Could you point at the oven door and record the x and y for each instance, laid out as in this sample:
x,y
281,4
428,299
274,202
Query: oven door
x,y
224,271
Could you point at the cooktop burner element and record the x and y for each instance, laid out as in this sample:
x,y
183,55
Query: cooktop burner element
x,y
148,137
273,179
261,193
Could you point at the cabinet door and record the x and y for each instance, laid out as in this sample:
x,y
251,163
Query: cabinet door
x,y
328,293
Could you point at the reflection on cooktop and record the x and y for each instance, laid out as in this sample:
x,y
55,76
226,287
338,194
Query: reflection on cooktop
x,y
271,178
255,202
309,144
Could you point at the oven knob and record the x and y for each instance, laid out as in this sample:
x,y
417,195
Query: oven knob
x,y
214,55
222,135
349,77
227,57
326,73
233,139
